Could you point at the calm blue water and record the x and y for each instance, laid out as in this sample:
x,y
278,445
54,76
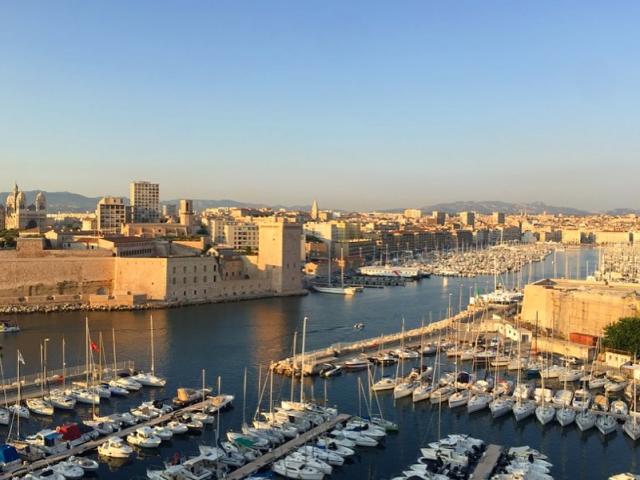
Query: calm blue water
x,y
226,338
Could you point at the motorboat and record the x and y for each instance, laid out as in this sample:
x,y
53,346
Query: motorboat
x,y
6,327
127,383
69,470
570,375
615,384
383,423
540,394
296,470
149,379
581,399
404,389
405,354
500,406
20,410
545,413
49,441
358,438
523,409
585,420
103,390
310,461
144,437
565,415
163,433
115,390
562,398
385,383
606,424
86,464
597,382
325,455
357,363
551,371
478,402
601,403
366,428
39,406
47,473
114,447
619,407
177,428
4,416
332,372
423,392
104,428
332,446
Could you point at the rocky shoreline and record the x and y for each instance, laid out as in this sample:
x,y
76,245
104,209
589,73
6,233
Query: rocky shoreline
x,y
83,307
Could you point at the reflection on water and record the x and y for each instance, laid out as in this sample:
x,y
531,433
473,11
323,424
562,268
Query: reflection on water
x,y
226,338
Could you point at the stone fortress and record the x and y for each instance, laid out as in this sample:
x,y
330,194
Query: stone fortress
x,y
53,268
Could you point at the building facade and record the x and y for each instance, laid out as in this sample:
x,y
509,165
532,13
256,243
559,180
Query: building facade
x,y
145,201
20,216
111,215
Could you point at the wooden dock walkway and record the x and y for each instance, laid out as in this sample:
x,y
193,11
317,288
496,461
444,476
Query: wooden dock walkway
x,y
487,463
286,448
88,446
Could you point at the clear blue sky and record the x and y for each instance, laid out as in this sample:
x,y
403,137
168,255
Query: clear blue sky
x,y
360,104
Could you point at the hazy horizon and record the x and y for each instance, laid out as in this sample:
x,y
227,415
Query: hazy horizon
x,y
360,105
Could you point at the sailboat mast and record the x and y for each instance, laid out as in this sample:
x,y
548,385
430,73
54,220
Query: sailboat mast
x,y
153,364
293,366
113,345
304,335
64,364
86,347
342,266
19,396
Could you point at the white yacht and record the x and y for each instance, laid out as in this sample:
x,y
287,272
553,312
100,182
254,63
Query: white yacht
x,y
114,447
144,437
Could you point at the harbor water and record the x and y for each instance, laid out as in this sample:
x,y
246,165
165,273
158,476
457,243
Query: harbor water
x,y
224,339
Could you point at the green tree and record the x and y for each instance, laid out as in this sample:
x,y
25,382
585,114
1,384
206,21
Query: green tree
x,y
623,335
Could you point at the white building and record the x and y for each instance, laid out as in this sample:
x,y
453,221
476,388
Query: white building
x,y
145,201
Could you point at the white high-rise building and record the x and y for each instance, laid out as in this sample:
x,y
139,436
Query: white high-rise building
x,y
145,201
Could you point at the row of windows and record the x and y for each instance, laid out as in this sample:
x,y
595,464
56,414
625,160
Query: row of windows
x,y
195,269
205,279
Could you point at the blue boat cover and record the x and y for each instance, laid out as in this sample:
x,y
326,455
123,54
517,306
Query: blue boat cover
x,y
8,454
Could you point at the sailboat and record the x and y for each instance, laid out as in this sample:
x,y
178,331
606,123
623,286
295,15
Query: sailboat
x,y
404,386
85,394
631,426
57,397
341,290
524,407
37,405
544,412
17,408
150,379
500,405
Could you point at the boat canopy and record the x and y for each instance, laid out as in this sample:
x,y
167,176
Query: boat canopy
x,y
8,454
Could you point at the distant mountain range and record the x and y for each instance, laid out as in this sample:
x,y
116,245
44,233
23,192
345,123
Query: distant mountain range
x,y
74,202
488,206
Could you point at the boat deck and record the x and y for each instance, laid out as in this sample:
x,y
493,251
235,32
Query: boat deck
x,y
284,449
88,446
487,463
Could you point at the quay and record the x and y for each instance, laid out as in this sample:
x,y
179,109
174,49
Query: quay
x,y
215,402
487,463
286,448
31,385
333,352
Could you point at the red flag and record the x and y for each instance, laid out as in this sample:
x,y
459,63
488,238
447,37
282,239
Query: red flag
x,y
94,347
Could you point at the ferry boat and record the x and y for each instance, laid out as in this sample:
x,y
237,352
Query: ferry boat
x,y
392,271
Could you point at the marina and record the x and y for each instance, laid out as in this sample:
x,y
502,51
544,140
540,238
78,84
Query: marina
x,y
268,327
